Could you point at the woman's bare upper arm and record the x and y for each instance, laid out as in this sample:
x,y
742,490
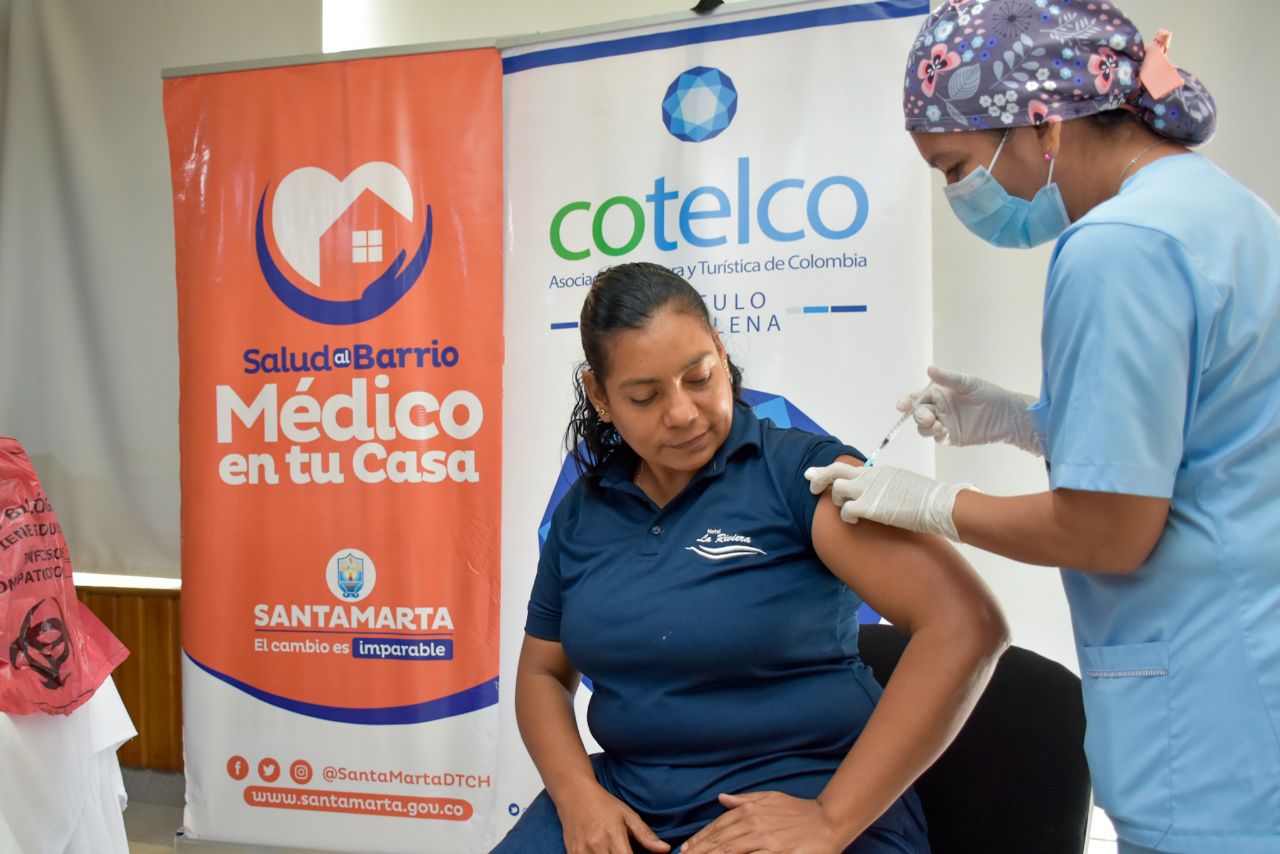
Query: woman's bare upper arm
x,y
538,656
906,577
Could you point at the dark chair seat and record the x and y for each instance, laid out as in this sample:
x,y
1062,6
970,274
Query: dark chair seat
x,y
1014,781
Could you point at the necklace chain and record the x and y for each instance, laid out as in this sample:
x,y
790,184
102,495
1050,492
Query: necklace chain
x,y
1138,157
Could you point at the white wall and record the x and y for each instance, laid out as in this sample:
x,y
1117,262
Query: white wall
x,y
88,317
359,24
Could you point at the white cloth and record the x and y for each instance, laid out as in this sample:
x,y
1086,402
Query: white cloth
x,y
61,791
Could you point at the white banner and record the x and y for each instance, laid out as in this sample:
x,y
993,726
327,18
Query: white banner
x,y
760,155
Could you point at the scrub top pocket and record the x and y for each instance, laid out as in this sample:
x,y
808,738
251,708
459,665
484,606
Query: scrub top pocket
x,y
1127,698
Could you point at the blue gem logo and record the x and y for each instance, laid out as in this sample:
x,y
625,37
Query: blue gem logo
x,y
699,104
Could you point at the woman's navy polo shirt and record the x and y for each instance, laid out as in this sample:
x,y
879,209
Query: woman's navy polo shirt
x,y
722,651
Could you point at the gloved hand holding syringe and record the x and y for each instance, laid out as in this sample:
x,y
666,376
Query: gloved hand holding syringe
x,y
954,408
963,410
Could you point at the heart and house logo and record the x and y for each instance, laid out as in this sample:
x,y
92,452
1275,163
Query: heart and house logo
x,y
335,236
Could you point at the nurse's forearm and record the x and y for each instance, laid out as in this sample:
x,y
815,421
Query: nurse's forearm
x,y
1099,532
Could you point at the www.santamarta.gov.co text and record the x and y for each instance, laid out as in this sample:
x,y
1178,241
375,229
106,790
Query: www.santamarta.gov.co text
x,y
404,806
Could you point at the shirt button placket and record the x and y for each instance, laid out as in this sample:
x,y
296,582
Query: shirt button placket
x,y
651,542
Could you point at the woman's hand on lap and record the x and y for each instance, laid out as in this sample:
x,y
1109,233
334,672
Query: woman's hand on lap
x,y
595,822
768,822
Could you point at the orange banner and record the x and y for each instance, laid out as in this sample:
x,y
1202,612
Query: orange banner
x,y
339,266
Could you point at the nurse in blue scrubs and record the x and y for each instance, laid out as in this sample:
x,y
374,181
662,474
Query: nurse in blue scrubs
x,y
711,599
1159,410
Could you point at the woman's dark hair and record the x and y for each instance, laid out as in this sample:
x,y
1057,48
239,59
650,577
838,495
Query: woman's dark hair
x,y
624,297
1109,121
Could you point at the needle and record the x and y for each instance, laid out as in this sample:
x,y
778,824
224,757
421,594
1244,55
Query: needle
x,y
893,431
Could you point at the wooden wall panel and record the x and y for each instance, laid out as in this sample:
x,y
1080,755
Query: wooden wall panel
x,y
150,679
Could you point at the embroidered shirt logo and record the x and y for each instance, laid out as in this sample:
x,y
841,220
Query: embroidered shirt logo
x,y
715,544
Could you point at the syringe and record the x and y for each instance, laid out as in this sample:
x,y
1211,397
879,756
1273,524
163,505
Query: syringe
x,y
893,431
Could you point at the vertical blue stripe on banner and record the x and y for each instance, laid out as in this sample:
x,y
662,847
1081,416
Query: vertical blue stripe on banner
x,y
854,13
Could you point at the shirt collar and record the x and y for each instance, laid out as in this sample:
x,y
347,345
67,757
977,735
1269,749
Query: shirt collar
x,y
744,433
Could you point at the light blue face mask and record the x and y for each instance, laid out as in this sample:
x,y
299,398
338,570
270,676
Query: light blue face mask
x,y
988,210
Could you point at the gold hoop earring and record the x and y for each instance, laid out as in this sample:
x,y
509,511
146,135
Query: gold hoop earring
x,y
603,413
726,366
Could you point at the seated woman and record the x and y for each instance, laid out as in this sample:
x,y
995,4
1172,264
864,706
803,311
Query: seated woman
x,y
711,599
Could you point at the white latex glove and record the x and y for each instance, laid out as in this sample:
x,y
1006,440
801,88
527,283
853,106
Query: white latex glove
x,y
966,410
890,496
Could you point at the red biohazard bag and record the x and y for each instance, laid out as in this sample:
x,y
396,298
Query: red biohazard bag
x,y
54,653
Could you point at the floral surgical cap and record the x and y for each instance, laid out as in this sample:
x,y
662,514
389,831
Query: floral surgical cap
x,y
979,65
